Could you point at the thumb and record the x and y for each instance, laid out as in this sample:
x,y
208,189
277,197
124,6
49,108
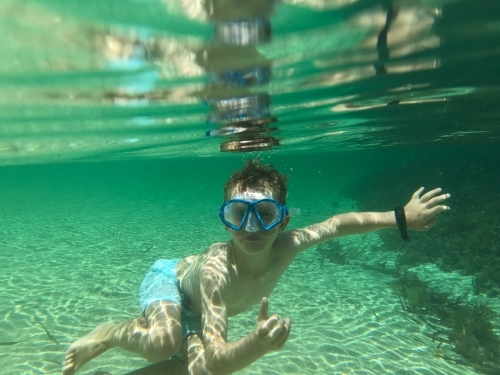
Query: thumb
x,y
263,309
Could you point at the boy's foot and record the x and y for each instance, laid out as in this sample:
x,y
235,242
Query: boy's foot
x,y
86,348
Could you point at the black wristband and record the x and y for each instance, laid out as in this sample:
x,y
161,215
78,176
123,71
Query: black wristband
x,y
401,220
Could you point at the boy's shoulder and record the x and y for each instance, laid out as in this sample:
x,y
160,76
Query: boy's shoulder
x,y
215,252
195,265
213,264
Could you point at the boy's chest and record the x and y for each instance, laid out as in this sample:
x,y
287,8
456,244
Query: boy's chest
x,y
244,292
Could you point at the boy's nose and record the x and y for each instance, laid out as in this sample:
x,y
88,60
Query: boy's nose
x,y
252,223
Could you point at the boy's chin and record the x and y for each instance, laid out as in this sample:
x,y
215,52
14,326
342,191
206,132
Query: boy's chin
x,y
253,251
253,246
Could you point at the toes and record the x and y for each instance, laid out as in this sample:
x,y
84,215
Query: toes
x,y
69,359
68,365
69,355
68,370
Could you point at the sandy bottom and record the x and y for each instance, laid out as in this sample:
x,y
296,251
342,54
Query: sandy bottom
x,y
72,264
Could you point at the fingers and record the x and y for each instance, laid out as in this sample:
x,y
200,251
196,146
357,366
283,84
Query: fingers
x,y
434,201
428,225
431,223
272,331
268,325
430,194
277,330
281,338
416,195
279,333
264,306
438,209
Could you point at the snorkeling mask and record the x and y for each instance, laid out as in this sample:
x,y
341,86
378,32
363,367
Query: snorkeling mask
x,y
254,209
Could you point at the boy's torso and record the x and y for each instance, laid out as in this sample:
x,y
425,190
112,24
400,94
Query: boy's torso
x,y
239,292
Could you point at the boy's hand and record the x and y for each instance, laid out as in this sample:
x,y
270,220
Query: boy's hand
x,y
272,332
421,211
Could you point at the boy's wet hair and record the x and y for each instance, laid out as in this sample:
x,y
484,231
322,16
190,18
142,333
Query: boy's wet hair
x,y
255,176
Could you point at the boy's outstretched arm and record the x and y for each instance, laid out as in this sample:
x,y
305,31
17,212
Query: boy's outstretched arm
x,y
420,212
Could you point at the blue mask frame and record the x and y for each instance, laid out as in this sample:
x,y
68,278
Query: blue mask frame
x,y
283,212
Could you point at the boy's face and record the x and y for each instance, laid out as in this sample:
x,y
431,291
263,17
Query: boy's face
x,y
252,238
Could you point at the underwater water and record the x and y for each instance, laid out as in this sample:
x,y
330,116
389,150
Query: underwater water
x,y
120,122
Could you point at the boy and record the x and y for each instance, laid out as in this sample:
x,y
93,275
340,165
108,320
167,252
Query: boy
x,y
186,302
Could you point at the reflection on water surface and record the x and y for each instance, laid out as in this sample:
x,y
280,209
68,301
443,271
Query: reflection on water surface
x,y
94,81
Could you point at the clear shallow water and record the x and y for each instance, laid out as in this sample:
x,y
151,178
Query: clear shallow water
x,y
123,94
76,240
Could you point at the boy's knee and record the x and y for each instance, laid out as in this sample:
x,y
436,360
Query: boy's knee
x,y
165,331
163,343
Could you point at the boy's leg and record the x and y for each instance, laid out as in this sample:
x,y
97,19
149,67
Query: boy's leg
x,y
170,367
156,337
86,348
194,353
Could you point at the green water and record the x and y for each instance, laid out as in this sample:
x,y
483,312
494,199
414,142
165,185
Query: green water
x,y
107,167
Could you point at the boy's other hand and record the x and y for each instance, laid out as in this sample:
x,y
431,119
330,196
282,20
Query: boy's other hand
x,y
421,211
272,332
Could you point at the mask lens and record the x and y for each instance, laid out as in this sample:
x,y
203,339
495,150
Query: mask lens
x,y
269,212
234,213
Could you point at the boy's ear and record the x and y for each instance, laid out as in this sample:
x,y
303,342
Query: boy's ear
x,y
284,223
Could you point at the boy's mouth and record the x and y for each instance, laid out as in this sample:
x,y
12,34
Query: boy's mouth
x,y
252,237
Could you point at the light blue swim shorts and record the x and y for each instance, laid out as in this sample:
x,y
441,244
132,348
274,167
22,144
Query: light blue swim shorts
x,y
161,283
